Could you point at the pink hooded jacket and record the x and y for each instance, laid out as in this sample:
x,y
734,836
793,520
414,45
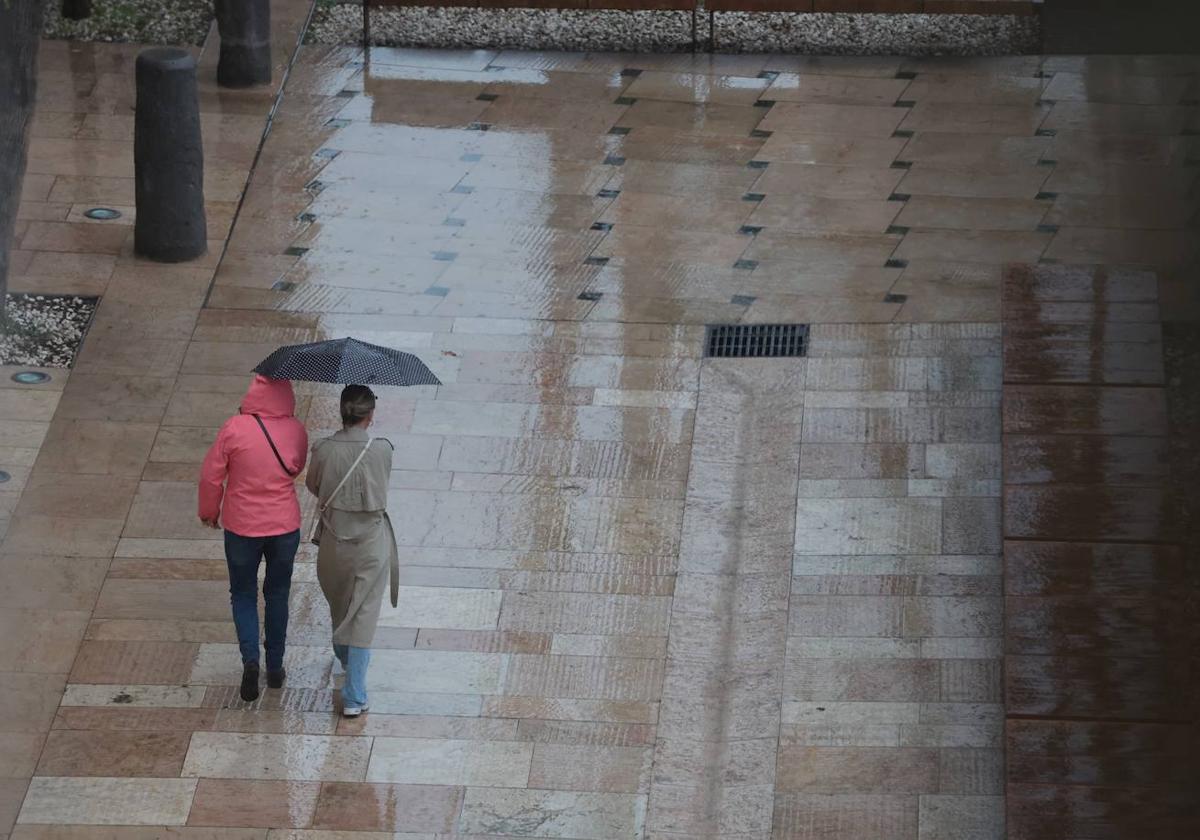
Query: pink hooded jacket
x,y
241,481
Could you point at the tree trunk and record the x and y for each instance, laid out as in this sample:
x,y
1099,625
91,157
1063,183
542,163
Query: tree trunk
x,y
20,35
76,9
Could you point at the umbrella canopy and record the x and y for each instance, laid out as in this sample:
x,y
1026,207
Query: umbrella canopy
x,y
346,361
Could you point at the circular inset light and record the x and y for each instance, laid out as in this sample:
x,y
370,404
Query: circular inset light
x,y
4,477
102,213
31,377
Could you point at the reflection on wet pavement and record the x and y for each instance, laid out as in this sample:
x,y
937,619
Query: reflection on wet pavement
x,y
644,594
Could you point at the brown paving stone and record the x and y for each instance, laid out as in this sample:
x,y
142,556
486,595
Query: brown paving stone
x,y
1083,687
369,807
127,720
1087,513
1085,460
1091,627
269,804
1062,810
1084,410
1099,570
108,753
152,663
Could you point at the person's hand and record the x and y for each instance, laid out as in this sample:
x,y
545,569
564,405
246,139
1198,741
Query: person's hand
x,y
209,523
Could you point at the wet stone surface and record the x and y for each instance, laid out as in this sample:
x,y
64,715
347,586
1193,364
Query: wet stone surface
x,y
644,594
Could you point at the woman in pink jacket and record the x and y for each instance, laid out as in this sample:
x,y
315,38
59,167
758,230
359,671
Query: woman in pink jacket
x,y
247,486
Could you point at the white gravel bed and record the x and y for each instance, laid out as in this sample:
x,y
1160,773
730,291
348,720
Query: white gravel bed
x,y
137,21
44,330
550,29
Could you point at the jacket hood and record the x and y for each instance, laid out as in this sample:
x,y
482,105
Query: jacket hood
x,y
269,398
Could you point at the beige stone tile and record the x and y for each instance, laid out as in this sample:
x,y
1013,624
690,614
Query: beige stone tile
x,y
513,112
39,695
609,769
40,641
282,757
1134,247
1121,211
816,118
444,607
843,182
716,215
156,285
868,526
1103,178
950,151
860,815
107,801
876,152
588,816
973,89
99,497
50,583
688,118
836,249
307,667
696,88
835,89
74,237
927,211
682,179
19,753
795,213
975,118
441,761
30,534
1102,118
133,696
963,183
971,246
346,810
89,447
268,804
442,672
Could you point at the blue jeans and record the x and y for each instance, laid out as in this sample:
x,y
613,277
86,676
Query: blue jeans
x,y
243,554
355,661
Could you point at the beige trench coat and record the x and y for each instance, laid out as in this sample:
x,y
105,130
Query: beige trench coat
x,y
357,551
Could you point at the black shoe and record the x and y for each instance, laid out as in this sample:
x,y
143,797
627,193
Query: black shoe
x,y
276,677
250,682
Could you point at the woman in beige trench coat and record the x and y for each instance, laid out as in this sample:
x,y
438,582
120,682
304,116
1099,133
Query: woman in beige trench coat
x,y
348,473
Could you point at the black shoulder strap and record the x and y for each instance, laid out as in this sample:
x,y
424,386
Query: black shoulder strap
x,y
278,457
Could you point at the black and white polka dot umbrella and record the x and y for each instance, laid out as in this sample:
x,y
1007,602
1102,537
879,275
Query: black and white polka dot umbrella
x,y
346,361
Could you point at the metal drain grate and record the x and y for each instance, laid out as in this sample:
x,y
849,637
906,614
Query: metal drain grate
x,y
753,341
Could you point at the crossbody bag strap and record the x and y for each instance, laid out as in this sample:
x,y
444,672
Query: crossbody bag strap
x,y
278,457
346,477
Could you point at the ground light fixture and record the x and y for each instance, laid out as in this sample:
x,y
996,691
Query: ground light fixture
x,y
102,213
30,377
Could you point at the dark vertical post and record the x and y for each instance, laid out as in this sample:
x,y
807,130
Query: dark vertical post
x,y
76,9
366,29
245,27
168,158
20,35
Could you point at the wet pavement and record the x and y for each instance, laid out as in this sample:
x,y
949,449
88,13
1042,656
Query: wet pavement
x,y
644,594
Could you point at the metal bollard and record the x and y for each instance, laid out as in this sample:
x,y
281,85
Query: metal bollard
x,y
168,158
245,27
